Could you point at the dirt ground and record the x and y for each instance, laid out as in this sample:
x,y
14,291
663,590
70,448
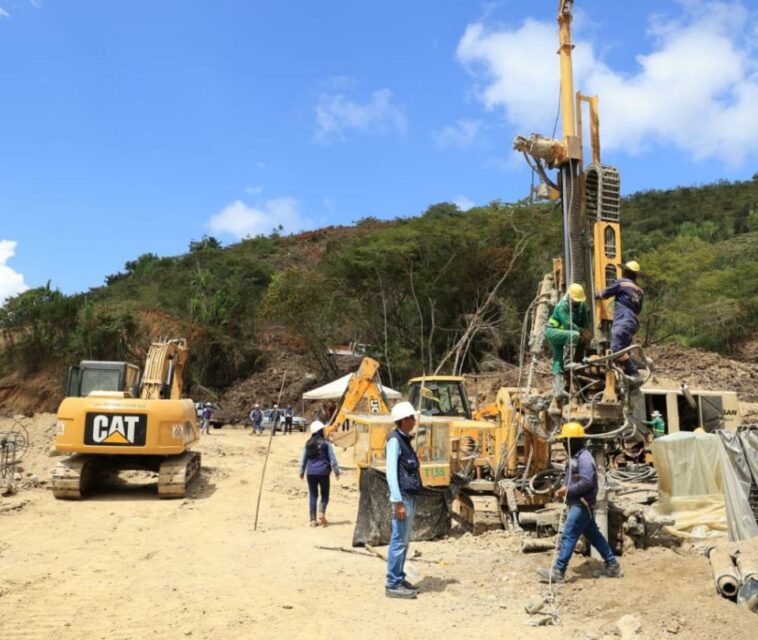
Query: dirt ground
x,y
124,564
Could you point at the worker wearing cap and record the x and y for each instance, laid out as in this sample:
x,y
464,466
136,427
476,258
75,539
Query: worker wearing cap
x,y
628,304
404,481
580,493
568,324
657,423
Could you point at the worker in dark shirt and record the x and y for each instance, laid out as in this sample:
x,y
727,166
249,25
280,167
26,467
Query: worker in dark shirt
x,y
580,492
628,304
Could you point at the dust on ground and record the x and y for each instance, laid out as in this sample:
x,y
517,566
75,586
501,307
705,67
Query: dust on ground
x,y
124,564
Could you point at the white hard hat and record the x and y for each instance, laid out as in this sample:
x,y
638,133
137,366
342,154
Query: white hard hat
x,y
656,413
316,426
403,410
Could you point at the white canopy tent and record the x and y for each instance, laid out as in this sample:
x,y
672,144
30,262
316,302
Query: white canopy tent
x,y
334,390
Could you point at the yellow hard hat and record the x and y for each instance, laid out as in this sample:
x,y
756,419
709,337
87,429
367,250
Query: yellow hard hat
x,y
633,265
572,430
576,292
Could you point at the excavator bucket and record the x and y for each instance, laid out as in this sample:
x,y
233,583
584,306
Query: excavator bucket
x,y
373,524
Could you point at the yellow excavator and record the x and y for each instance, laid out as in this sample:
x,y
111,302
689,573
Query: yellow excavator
x,y
116,417
475,460
364,393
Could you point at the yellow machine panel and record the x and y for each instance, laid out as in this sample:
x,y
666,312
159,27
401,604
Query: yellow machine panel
x,y
607,256
431,442
103,424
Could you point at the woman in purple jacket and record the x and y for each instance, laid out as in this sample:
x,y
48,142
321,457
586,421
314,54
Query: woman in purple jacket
x,y
317,462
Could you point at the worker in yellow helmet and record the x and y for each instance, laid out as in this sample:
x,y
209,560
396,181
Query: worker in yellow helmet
x,y
580,492
628,304
568,324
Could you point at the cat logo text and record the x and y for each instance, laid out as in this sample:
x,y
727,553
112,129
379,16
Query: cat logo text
x,y
115,429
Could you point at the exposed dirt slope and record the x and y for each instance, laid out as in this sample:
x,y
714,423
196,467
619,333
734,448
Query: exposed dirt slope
x,y
705,369
42,391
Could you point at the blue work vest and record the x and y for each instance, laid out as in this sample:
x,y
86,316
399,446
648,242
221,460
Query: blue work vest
x,y
317,456
408,474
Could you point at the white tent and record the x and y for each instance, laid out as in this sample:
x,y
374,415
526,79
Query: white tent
x,y
334,390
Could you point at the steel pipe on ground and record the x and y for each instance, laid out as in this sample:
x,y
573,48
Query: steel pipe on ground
x,y
725,574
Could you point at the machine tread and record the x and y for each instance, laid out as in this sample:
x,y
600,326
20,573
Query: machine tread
x,y
176,472
71,477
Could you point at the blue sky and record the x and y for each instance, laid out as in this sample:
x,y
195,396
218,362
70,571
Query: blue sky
x,y
136,127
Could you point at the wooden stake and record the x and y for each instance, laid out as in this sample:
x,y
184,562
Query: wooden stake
x,y
268,451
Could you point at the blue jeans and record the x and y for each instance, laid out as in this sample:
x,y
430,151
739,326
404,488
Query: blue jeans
x,y
399,541
580,521
314,484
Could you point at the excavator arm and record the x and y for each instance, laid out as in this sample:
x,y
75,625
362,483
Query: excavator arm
x,y
164,369
364,384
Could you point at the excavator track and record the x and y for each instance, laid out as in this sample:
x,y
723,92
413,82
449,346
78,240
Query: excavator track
x,y
176,472
72,476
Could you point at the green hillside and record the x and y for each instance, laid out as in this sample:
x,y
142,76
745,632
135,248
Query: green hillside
x,y
441,290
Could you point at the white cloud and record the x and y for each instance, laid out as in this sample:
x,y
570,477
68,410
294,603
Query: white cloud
x,y
11,283
4,13
336,115
463,203
461,134
695,89
255,190
239,219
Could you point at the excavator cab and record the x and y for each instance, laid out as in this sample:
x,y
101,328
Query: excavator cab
x,y
93,375
443,396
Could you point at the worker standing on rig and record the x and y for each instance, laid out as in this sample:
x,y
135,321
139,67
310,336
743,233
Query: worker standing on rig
x,y
404,481
628,304
569,324
580,492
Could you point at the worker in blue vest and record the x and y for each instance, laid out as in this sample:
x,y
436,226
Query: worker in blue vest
x,y
317,463
628,297
404,481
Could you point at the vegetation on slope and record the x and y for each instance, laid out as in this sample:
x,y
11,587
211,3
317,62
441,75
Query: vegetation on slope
x,y
441,291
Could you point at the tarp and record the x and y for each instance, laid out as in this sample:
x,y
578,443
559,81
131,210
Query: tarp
x,y
700,488
374,522
739,454
334,390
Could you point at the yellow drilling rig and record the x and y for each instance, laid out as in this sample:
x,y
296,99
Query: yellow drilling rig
x,y
495,470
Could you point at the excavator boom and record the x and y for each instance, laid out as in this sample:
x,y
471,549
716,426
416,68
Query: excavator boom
x,y
364,385
164,366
